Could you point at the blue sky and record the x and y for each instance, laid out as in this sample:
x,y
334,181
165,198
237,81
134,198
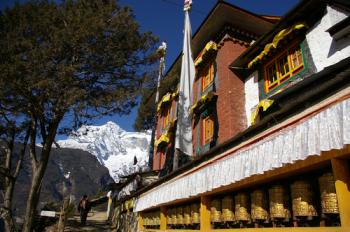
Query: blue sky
x,y
165,18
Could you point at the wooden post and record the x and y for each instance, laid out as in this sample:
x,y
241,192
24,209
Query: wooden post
x,y
205,214
63,216
163,215
140,222
341,174
176,159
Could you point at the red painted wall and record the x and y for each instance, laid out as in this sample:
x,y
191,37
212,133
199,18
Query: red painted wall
x,y
230,90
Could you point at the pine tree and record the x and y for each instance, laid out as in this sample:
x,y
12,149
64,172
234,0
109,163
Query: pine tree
x,y
69,60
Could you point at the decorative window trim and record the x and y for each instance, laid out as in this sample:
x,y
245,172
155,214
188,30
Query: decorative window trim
x,y
274,63
201,144
207,76
262,92
208,129
166,117
276,42
207,52
166,99
202,101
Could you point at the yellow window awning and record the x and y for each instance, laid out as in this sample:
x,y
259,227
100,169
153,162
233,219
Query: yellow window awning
x,y
264,104
201,101
209,48
276,40
165,99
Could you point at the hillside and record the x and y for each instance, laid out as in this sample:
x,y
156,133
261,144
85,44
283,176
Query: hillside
x,y
69,172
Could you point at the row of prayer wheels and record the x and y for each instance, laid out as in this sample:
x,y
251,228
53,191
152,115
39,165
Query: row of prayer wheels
x,y
274,204
183,215
151,219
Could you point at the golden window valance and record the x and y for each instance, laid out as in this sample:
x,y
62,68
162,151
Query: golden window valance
x,y
208,50
276,40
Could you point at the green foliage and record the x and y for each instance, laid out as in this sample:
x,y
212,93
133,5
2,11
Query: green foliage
x,y
86,57
70,59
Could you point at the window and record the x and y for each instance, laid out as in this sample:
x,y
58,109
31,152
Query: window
x,y
282,68
207,76
166,116
208,129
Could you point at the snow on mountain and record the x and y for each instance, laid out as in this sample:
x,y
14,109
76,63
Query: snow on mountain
x,y
114,147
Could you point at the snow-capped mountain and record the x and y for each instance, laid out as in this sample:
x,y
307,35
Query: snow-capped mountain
x,y
114,147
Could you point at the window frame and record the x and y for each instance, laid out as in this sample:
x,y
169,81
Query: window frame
x,y
166,116
204,139
292,71
207,72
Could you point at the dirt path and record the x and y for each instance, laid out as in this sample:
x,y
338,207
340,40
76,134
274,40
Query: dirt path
x,y
96,221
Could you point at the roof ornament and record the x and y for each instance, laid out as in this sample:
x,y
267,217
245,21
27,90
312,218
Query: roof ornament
x,y
187,5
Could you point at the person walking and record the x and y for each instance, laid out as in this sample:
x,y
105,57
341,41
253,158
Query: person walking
x,y
84,208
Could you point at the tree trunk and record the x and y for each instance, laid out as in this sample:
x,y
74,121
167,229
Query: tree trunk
x,y
38,174
7,209
33,198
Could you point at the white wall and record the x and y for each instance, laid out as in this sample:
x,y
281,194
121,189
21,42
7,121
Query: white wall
x,y
251,89
324,49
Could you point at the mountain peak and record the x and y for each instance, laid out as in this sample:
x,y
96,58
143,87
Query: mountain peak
x,y
114,147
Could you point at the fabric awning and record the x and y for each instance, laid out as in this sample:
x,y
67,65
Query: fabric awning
x,y
207,51
325,130
202,101
264,104
165,138
165,99
276,40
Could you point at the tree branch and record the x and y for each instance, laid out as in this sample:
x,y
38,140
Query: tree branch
x,y
32,152
5,172
22,152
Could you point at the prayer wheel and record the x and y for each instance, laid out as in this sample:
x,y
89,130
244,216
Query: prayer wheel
x,y
146,220
329,201
153,219
187,215
242,207
150,219
302,199
195,219
279,202
157,218
174,217
227,209
169,216
179,215
259,206
215,210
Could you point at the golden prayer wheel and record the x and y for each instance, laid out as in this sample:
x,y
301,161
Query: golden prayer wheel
x,y
179,215
329,201
169,215
227,214
259,208
215,210
145,220
242,207
150,219
195,219
187,215
153,219
302,199
174,217
156,218
279,202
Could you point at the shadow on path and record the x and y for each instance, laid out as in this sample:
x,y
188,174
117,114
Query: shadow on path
x,y
96,221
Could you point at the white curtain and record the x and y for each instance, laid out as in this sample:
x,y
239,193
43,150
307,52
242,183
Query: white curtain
x,y
324,131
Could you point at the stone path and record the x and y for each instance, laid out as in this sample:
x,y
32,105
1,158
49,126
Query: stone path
x,y
96,221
